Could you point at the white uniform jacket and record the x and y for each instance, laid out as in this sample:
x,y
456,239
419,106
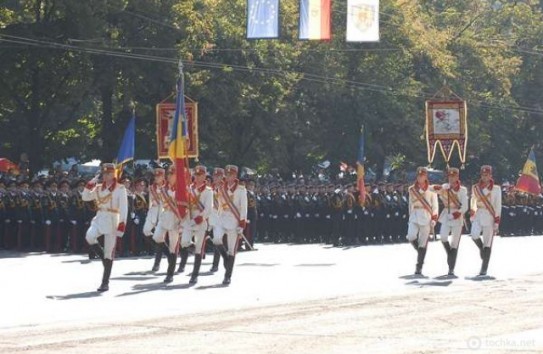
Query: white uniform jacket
x,y
418,213
235,196
112,206
493,196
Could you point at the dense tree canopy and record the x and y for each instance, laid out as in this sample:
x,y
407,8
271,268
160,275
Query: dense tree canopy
x,y
71,71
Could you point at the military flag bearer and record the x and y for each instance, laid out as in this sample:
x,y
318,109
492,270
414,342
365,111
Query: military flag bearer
x,y
110,219
423,209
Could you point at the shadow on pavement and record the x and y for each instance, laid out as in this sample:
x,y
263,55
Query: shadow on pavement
x,y
84,295
315,265
429,283
258,264
445,277
132,278
13,254
413,276
216,286
481,278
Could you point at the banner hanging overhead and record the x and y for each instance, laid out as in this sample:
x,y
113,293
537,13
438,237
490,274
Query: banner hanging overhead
x,y
315,19
362,20
262,19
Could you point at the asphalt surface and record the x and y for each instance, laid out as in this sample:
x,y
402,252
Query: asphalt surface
x,y
283,299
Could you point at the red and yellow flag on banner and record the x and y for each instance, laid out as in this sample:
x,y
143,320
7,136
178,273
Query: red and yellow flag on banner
x,y
177,150
360,169
529,180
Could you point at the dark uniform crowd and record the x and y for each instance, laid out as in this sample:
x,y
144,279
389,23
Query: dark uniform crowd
x,y
48,214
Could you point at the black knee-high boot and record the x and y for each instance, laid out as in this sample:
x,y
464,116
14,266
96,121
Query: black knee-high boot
x,y
172,258
486,259
108,263
184,257
229,269
420,259
216,259
196,269
159,250
451,260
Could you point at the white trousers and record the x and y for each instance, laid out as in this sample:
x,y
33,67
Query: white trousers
x,y
232,238
487,231
422,232
173,234
109,241
454,230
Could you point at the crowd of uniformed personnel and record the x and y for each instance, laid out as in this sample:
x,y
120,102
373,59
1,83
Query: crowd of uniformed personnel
x,y
48,214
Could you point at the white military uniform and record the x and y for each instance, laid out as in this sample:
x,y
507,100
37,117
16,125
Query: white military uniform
x,y
455,201
112,210
168,221
227,220
151,220
201,206
485,221
214,217
420,219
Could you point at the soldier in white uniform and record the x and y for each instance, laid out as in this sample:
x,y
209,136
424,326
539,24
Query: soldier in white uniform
x,y
195,222
423,210
454,197
220,250
110,219
169,221
155,207
485,213
232,215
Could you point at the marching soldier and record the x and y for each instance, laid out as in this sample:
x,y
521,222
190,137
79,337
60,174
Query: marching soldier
x,y
169,221
423,209
155,208
454,197
485,212
232,215
110,219
219,250
51,216
195,223
36,223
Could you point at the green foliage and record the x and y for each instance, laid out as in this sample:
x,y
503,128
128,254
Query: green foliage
x,y
284,104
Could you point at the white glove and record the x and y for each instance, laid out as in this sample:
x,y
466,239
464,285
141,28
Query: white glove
x,y
432,223
19,221
119,234
32,221
446,186
47,222
298,215
239,230
73,222
496,227
7,221
132,215
136,221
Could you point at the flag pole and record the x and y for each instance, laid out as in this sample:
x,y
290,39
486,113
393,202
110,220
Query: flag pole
x,y
184,140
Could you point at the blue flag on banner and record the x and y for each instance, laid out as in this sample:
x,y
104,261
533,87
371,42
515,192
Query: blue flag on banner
x,y
126,152
262,19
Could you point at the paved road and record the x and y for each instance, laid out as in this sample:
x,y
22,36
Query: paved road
x,y
283,299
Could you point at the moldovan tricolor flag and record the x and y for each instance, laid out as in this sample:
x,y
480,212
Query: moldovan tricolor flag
x,y
529,180
177,150
362,20
262,19
315,19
